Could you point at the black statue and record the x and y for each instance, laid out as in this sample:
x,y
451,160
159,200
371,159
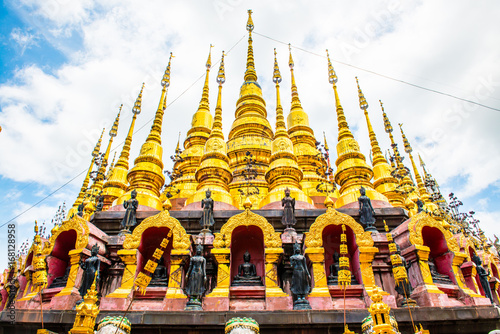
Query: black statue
x,y
131,206
100,203
13,287
483,276
420,206
207,218
196,277
61,281
80,210
247,273
333,278
90,266
436,276
301,279
160,276
288,204
366,211
404,288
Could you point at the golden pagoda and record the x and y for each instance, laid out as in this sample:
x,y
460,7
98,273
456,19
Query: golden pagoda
x,y
352,171
284,172
117,184
146,177
304,142
214,173
250,132
383,181
201,126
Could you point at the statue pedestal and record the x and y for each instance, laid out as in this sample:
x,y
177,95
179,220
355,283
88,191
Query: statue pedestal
x,y
279,303
216,304
114,304
353,294
247,298
66,302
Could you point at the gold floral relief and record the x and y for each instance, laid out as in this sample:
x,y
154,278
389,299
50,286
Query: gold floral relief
x,y
419,221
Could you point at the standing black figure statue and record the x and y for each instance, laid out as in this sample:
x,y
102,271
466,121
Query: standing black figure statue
x,y
131,206
207,218
420,206
288,204
90,266
366,211
13,286
483,276
80,210
196,277
301,280
100,203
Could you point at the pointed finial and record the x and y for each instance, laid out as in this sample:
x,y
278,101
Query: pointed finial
x,y
114,129
178,141
250,25
332,76
209,60
290,59
97,147
387,124
221,76
36,227
276,74
138,102
165,82
408,148
422,164
362,101
328,202
326,144
247,204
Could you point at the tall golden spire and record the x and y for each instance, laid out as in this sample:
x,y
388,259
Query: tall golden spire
x,y
303,139
424,195
352,171
83,190
250,132
214,173
197,136
146,177
284,172
383,181
116,185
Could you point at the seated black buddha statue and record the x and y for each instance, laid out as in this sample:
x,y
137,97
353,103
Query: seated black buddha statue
x,y
247,274
61,281
160,276
332,279
436,276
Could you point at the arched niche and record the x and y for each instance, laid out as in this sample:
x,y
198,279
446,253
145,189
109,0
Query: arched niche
x,y
59,258
439,252
331,244
150,240
251,239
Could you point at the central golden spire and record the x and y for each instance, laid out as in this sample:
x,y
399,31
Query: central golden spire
x,y
116,185
214,172
201,126
352,171
250,132
383,181
284,172
146,177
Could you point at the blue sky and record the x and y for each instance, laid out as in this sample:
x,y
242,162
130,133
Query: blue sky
x,y
66,66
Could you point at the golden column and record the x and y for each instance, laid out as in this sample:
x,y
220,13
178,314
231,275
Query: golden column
x,y
352,171
83,190
383,181
406,186
116,185
284,172
146,177
201,126
214,172
86,312
424,195
250,132
304,142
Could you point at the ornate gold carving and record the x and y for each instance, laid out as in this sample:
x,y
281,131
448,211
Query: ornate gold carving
x,y
271,238
314,237
163,219
422,219
76,223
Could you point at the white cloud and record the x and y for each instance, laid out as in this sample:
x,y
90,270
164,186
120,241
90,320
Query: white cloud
x,y
24,39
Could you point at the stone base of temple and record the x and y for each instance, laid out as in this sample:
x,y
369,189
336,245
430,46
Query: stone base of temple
x,y
426,298
279,303
215,304
320,303
174,304
111,303
66,302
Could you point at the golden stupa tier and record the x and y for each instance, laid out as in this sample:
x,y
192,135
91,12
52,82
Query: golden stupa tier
x,y
201,125
304,142
250,132
284,172
146,177
352,170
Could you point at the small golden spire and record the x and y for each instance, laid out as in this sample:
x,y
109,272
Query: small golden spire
x,y
250,74
295,94
280,119
87,311
177,149
204,103
326,144
422,164
111,166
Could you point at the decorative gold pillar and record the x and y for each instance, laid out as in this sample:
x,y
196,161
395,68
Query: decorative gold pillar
x,y
129,258
272,288
458,260
423,257
366,255
74,262
177,257
317,257
222,256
